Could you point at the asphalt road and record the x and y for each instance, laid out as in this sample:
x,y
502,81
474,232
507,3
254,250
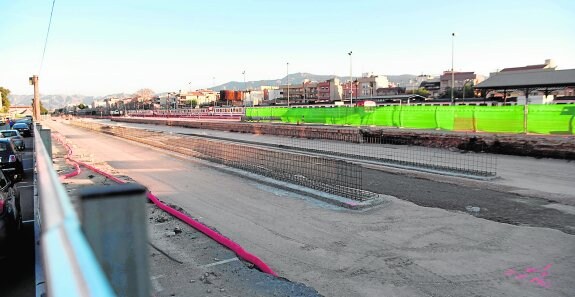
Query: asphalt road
x,y
17,273
397,249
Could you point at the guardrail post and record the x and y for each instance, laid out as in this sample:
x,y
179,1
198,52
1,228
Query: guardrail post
x,y
46,135
114,222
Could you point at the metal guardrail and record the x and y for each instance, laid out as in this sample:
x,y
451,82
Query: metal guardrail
x,y
70,266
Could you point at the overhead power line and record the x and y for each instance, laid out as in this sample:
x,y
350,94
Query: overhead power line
x,y
47,34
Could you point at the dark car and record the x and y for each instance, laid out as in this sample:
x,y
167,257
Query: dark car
x,y
15,137
10,214
11,160
23,128
26,121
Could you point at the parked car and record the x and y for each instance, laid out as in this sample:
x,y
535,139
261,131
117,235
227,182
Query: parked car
x,y
26,121
11,160
23,129
10,214
15,137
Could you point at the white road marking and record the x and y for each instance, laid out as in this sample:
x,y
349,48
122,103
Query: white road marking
x,y
156,284
27,221
29,186
221,262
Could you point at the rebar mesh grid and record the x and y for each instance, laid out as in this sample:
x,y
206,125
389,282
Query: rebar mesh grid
x,y
394,151
386,150
337,177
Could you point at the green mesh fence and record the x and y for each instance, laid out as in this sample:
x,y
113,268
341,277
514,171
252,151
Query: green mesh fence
x,y
551,119
541,119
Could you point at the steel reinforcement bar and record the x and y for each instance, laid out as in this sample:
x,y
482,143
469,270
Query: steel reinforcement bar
x,y
396,152
337,177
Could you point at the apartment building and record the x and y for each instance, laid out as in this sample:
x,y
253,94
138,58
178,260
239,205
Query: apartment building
x,y
329,90
460,79
368,84
201,97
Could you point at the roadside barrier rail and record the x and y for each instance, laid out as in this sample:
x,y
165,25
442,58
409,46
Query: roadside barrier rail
x,y
69,264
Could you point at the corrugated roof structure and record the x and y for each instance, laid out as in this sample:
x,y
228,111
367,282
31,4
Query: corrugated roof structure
x,y
545,78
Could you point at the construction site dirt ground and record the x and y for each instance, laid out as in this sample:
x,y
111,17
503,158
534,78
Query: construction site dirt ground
x,y
183,261
397,249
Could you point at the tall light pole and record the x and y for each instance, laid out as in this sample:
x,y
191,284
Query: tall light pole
x,y
287,78
350,81
213,85
452,70
36,103
245,88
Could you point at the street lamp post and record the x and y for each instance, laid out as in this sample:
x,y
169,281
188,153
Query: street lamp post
x,y
287,78
245,87
213,85
452,70
350,81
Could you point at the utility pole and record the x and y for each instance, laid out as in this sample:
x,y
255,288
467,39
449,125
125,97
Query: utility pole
x,y
350,81
245,88
213,85
287,78
452,71
36,103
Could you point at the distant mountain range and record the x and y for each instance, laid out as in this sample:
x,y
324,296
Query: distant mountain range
x,y
298,78
59,101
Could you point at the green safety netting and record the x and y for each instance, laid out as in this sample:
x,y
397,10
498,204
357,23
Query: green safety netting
x,y
551,119
542,119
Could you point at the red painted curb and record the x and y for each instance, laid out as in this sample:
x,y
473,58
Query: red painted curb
x,y
77,169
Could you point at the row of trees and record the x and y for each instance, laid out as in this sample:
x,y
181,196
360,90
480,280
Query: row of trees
x,y
466,92
5,102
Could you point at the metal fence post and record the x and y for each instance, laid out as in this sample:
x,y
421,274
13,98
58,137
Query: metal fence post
x,y
46,135
114,222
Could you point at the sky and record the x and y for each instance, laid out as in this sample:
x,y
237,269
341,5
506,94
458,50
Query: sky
x,y
104,47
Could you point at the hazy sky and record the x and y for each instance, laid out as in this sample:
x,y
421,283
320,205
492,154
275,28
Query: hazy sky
x,y
103,47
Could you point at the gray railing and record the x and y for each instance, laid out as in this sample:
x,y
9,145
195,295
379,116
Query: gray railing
x,y
69,264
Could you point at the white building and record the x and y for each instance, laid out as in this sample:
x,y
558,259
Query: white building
x,y
252,98
99,103
274,94
415,83
368,84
